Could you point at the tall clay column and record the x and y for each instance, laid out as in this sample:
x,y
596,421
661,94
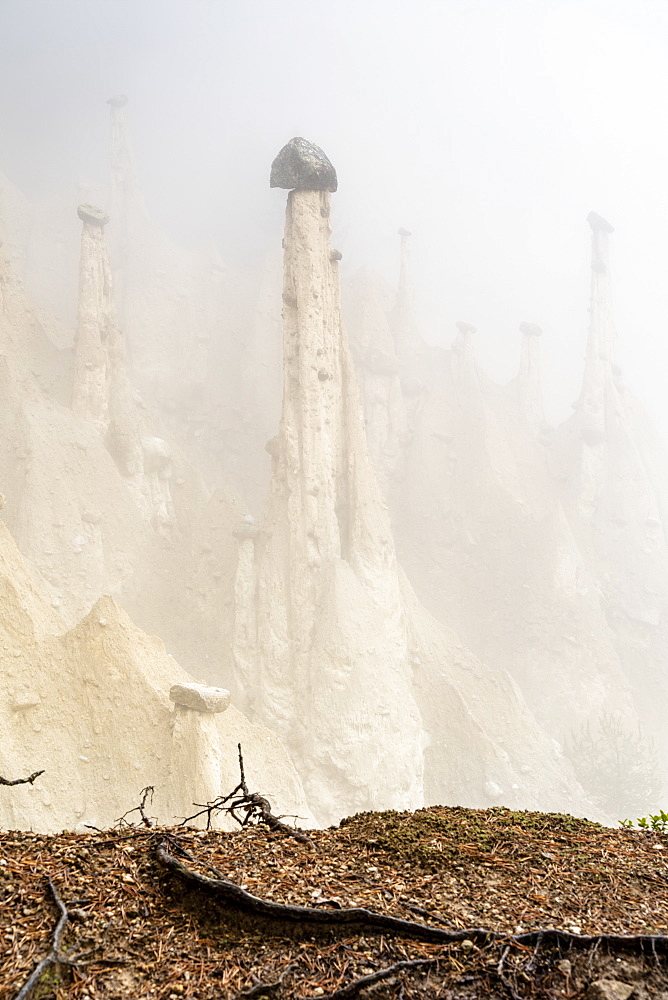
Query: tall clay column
x,y
403,320
529,382
101,391
126,195
321,644
95,322
601,406
601,344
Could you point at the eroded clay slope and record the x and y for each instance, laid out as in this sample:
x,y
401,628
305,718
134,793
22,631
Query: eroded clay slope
x,y
480,525
91,706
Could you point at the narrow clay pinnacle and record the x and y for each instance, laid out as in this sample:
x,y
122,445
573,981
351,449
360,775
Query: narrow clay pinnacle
x,y
599,224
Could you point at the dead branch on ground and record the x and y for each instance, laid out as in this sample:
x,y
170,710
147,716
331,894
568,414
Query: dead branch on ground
x,y
247,808
21,781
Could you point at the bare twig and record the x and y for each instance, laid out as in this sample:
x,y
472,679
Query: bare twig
x,y
534,958
246,808
145,794
504,955
22,781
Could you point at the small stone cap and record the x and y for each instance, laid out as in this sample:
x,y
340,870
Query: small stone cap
x,y
89,213
531,330
404,232
245,531
302,166
118,102
200,697
465,327
599,224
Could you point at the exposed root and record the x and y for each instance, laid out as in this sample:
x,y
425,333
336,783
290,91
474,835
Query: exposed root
x,y
53,958
352,989
233,894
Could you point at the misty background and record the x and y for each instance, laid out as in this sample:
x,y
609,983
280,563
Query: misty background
x,y
488,129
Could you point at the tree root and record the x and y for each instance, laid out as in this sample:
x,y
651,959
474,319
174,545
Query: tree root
x,y
345,917
357,985
233,894
53,958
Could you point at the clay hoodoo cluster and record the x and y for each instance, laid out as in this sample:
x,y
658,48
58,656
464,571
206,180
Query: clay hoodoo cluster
x,y
414,588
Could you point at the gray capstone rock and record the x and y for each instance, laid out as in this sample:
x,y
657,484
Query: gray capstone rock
x,y
200,697
89,213
531,329
302,166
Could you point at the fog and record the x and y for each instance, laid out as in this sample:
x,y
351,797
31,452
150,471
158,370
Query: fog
x,y
489,130
400,523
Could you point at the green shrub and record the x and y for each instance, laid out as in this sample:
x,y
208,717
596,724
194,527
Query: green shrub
x,y
658,823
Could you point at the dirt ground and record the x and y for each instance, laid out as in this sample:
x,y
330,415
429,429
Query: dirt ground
x,y
137,928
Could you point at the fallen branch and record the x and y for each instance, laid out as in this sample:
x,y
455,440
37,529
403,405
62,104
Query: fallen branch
x,y
254,808
263,989
233,894
21,781
53,957
375,977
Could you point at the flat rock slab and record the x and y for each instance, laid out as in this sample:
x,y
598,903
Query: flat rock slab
x,y
96,216
200,697
302,166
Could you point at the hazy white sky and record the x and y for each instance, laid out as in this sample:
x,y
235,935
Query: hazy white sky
x,y
490,128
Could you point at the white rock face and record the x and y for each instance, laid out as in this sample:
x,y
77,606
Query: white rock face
x,y
529,382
